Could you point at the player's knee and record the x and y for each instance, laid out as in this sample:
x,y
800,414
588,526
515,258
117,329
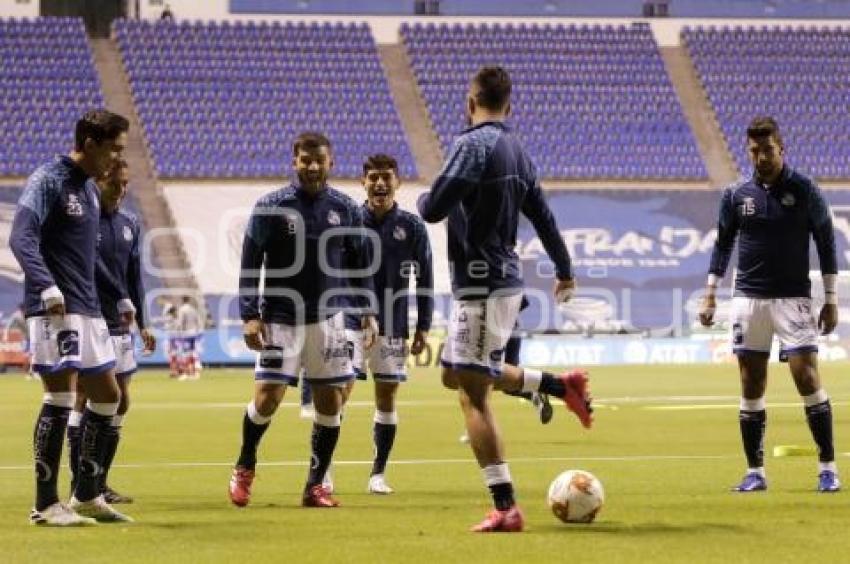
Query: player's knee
x,y
267,404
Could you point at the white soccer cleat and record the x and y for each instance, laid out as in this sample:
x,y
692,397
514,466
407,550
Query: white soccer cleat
x,y
378,485
59,515
99,510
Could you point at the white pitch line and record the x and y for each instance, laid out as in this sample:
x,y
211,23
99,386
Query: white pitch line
x,y
697,407
424,461
430,461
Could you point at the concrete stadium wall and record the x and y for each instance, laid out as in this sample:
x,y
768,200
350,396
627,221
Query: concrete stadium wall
x,y
385,28
19,8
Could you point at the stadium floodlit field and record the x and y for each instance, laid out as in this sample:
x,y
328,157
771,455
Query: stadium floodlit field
x,y
665,445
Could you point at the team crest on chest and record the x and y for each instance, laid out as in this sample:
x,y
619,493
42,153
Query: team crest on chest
x,y
291,222
333,218
748,207
399,233
128,233
74,207
788,200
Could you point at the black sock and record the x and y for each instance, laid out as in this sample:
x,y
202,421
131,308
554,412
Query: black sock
x,y
113,436
752,433
819,417
383,435
251,435
93,441
323,442
552,385
48,436
74,453
503,495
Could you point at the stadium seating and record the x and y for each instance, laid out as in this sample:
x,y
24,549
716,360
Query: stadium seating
x,y
47,81
589,101
226,100
799,76
11,275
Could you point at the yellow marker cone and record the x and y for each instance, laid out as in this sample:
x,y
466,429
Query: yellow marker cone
x,y
793,450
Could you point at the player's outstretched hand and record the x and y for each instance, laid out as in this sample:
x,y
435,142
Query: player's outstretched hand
x,y
418,344
56,310
370,331
127,318
252,331
148,342
706,310
828,318
564,290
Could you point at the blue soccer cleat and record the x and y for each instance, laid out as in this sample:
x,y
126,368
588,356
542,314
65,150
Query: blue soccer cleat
x,y
752,482
828,482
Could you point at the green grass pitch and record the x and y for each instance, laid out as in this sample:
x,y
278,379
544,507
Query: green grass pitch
x,y
665,445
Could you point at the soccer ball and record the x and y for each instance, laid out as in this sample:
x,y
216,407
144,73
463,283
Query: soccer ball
x,y
576,496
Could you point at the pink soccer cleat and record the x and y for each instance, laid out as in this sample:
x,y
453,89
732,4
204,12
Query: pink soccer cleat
x,y
240,486
509,521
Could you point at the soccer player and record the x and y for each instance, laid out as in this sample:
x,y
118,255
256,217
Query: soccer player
x,y
307,236
487,180
54,238
773,214
191,327
118,265
405,254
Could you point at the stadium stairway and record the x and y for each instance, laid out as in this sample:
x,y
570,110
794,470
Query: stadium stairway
x,y
700,116
169,254
412,110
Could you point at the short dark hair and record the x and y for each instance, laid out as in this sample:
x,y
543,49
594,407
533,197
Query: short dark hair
x,y
494,87
380,161
310,141
99,125
764,126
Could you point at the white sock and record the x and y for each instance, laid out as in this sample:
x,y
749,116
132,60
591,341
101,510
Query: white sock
x,y
831,466
105,409
819,396
74,418
497,474
531,380
759,471
753,404
255,416
386,417
327,420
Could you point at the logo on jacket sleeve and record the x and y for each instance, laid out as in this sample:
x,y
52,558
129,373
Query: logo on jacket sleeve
x,y
128,233
333,218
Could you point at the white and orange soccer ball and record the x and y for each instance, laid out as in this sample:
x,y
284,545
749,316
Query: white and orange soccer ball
x,y
576,496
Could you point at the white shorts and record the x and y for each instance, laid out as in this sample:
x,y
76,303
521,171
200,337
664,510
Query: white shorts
x,y
78,342
755,321
125,356
319,348
386,360
478,332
